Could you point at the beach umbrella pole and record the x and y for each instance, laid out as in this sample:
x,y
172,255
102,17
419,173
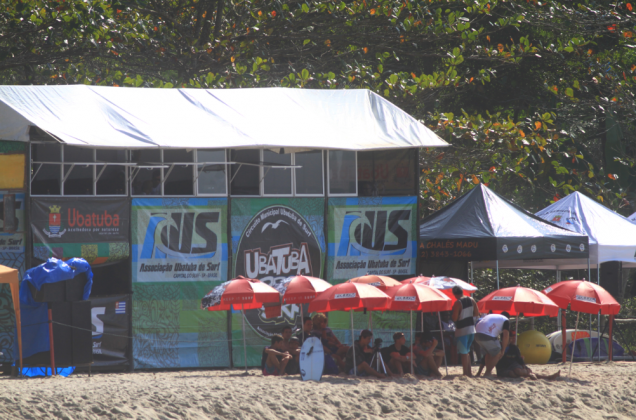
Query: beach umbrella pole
x,y
517,330
576,326
441,334
610,344
422,323
302,321
497,264
564,338
411,319
370,321
244,344
353,349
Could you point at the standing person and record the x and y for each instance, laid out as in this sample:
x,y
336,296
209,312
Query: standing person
x,y
464,309
487,336
362,349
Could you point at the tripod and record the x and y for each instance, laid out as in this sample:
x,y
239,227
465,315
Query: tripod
x,y
379,361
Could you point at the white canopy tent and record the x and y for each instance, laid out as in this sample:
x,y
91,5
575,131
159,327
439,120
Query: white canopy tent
x,y
137,118
632,218
611,236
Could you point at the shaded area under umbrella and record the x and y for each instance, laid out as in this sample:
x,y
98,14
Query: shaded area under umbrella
x,y
582,296
350,297
516,301
419,297
240,293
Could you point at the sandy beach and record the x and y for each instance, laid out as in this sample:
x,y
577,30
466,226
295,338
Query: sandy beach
x,y
596,391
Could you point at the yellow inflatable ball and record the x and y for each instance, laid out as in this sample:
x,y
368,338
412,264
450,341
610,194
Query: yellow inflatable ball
x,y
534,347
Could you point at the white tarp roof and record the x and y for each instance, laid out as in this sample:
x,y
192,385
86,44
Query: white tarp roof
x,y
117,117
612,237
632,218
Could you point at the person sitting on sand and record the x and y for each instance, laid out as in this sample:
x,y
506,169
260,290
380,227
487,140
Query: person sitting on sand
x,y
330,342
427,357
512,365
362,349
287,336
275,360
399,354
487,336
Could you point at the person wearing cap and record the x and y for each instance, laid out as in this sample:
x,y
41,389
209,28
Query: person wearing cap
x,y
362,349
400,358
464,311
489,328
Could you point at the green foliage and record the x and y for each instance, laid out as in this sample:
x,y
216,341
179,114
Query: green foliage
x,y
521,90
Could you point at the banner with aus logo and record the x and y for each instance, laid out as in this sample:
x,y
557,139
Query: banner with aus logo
x,y
110,319
371,235
179,239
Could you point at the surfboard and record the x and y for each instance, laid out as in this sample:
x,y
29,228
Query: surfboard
x,y
312,359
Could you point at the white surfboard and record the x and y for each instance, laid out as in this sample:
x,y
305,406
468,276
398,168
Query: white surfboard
x,y
312,359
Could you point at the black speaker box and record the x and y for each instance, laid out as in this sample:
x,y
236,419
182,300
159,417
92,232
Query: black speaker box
x,y
611,277
73,346
61,291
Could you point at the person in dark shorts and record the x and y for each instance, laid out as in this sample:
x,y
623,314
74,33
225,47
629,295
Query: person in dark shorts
x,y
488,330
274,359
512,365
464,312
426,354
362,349
399,354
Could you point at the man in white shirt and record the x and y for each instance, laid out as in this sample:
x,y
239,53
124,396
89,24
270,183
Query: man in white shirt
x,y
487,334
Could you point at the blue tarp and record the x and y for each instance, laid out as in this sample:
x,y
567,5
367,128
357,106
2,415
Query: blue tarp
x,y
586,347
35,329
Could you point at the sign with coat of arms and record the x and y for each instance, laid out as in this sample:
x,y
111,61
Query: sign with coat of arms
x,y
96,229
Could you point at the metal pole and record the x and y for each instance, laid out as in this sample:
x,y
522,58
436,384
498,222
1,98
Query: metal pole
x,y
589,278
441,334
573,343
422,323
244,344
517,330
370,321
598,282
411,319
497,263
302,323
52,346
355,367
471,272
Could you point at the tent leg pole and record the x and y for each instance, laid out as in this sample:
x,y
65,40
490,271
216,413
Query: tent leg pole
x,y
355,366
244,344
52,346
576,326
497,264
610,349
471,272
410,358
564,338
441,335
598,282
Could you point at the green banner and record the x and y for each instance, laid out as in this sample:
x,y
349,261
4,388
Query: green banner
x,y
371,235
273,239
179,254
